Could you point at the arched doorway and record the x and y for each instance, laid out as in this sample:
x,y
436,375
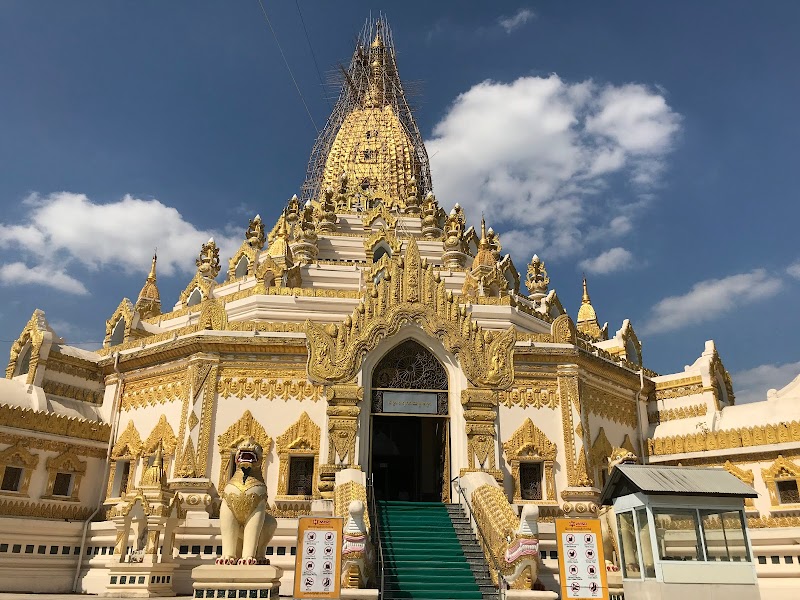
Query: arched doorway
x,y
409,452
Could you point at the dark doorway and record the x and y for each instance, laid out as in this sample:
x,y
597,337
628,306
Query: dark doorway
x,y
408,457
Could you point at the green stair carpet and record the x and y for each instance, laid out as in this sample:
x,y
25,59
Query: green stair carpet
x,y
422,556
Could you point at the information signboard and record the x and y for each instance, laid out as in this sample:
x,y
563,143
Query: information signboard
x,y
580,559
318,563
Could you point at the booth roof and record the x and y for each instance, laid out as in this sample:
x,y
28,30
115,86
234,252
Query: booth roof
x,y
676,481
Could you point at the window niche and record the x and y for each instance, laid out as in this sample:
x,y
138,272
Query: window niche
x,y
124,455
531,457
300,441
782,482
64,474
16,467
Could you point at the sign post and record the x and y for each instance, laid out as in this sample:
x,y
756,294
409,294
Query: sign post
x,y
580,559
318,564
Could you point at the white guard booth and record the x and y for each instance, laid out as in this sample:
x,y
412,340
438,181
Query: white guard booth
x,y
682,533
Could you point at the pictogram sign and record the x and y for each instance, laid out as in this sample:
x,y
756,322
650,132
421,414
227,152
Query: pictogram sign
x,y
580,559
318,563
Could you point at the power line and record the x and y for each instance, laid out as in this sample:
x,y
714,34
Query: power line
x,y
285,62
313,56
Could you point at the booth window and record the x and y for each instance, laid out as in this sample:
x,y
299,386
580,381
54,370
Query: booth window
x,y
645,542
724,536
631,568
677,534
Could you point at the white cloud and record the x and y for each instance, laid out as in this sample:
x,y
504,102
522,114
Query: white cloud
x,y
615,259
752,384
65,228
522,16
711,298
537,157
18,273
794,270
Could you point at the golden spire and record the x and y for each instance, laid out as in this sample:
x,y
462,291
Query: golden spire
x,y
149,302
587,317
485,257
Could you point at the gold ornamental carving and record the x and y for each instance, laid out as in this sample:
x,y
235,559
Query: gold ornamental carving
x,y
270,388
609,406
206,417
678,388
411,292
162,436
52,423
153,391
568,390
227,442
539,393
40,510
673,414
563,330
480,413
745,475
128,444
52,445
124,314
728,438
64,390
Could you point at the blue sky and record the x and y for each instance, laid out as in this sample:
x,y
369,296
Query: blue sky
x,y
650,145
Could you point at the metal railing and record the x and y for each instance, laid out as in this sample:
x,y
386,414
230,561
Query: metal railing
x,y
375,531
495,564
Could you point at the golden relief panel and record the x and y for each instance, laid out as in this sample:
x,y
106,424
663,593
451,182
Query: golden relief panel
x,y
301,439
673,414
51,445
269,388
52,423
529,444
532,394
679,388
61,363
153,391
64,390
40,510
730,438
609,406
411,294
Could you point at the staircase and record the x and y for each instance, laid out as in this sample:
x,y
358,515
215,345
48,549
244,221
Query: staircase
x,y
431,553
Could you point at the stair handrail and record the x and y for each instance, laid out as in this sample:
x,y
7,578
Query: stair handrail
x,y
375,530
487,548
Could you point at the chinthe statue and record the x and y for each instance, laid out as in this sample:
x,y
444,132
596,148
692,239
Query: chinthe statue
x,y
245,524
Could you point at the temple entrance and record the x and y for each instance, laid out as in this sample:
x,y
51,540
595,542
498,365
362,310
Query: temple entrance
x,y
410,445
407,458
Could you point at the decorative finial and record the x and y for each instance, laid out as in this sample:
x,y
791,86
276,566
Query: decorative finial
x,y
587,317
152,275
208,261
537,280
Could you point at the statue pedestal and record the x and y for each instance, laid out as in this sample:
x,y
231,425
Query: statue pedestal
x,y
257,581
140,579
530,595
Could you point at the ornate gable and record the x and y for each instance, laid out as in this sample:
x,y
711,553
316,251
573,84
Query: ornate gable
x,y
128,444
529,442
163,435
18,456
33,332
66,462
303,436
411,293
124,311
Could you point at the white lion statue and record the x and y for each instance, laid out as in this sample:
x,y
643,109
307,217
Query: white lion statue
x,y
245,524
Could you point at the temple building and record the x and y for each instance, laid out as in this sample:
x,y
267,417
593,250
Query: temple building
x,y
371,334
